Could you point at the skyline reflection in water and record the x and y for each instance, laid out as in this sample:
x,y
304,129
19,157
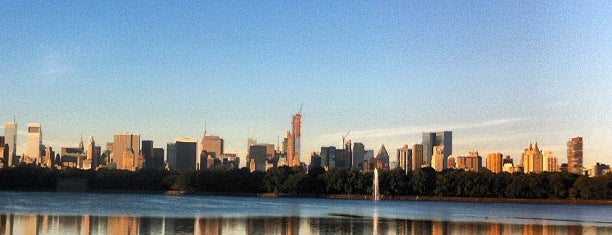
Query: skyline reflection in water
x,y
86,224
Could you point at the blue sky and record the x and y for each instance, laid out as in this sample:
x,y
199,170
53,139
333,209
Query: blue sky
x,y
497,74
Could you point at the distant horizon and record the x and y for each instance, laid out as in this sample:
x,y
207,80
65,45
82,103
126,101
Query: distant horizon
x,y
305,156
497,74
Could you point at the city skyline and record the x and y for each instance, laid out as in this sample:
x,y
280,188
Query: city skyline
x,y
498,75
433,139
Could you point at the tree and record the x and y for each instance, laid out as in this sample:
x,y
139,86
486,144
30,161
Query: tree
x,y
424,181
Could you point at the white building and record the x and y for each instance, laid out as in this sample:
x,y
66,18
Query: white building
x,y
34,143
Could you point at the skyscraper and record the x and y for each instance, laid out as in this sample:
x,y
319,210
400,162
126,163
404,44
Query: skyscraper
x,y
532,159
358,154
171,155
494,162
328,157
3,151
348,154
147,153
574,155
417,156
158,158
186,153
340,160
93,153
550,163
34,143
212,144
293,155
404,156
383,155
126,143
437,159
431,139
10,134
258,155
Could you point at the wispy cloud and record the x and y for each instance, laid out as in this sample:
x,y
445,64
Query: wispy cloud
x,y
385,133
560,104
54,65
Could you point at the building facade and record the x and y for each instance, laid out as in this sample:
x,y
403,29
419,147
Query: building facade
x,y
431,139
258,157
126,145
575,155
532,159
147,153
212,144
358,155
550,162
472,162
437,159
171,155
294,139
34,144
404,156
417,156
328,157
495,162
383,156
10,136
186,150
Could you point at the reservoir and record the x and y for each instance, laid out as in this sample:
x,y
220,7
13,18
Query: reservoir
x,y
114,213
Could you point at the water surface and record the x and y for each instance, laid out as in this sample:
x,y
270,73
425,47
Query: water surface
x,y
101,213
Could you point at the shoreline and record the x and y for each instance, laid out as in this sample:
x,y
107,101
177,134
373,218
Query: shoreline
x,y
341,196
447,199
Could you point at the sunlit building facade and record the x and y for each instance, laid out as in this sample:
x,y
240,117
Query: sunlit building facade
x,y
532,160
126,149
574,155
494,162
431,139
404,155
472,162
417,156
437,159
34,144
550,161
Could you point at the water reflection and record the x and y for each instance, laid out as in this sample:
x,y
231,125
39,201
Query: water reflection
x,y
339,224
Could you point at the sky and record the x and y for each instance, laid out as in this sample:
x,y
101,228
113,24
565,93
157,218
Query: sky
x,y
499,75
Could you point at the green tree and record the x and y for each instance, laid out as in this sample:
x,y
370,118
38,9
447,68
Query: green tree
x,y
424,181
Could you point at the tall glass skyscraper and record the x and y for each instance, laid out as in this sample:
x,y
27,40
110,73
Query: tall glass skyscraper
x,y
431,139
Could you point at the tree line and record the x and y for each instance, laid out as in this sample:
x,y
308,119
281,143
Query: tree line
x,y
296,181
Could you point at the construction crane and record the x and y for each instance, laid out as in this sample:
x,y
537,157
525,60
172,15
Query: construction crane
x,y
344,138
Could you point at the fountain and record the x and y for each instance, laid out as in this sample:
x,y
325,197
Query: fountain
x,y
375,182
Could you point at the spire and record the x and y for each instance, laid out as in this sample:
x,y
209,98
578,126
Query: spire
x,y
81,142
530,145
